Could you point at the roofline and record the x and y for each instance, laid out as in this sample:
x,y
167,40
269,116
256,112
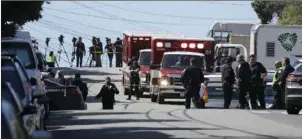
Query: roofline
x,y
12,39
184,53
145,34
230,22
184,38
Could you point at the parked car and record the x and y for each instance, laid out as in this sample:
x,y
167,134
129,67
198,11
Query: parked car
x,y
11,127
293,91
13,72
27,54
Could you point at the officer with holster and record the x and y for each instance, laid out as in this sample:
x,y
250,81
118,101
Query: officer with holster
x,y
107,93
257,80
228,80
118,52
192,78
134,79
80,52
277,104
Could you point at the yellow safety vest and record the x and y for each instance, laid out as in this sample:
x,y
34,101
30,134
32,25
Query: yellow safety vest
x,y
277,74
51,59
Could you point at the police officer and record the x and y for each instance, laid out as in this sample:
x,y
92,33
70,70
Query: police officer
x,y
51,60
228,80
257,80
118,53
191,78
107,94
77,81
134,79
277,104
243,75
80,52
109,48
287,69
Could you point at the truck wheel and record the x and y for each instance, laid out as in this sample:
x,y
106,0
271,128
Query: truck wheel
x,y
292,110
160,99
153,98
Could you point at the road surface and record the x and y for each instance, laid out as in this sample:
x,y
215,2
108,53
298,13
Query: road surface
x,y
132,119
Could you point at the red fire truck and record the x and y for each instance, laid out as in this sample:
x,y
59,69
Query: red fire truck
x,y
135,44
169,57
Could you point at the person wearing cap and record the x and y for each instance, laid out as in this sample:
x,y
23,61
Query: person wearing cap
x,y
118,52
109,48
228,80
80,52
107,93
277,104
77,81
257,79
243,76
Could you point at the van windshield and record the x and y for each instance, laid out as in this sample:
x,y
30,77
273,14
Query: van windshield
x,y
22,50
145,58
175,61
224,52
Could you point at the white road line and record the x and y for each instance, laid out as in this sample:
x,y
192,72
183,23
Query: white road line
x,y
265,112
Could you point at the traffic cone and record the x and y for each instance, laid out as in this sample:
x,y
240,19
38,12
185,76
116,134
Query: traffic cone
x,y
205,96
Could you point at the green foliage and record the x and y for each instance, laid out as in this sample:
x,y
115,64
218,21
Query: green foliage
x,y
292,14
266,10
17,13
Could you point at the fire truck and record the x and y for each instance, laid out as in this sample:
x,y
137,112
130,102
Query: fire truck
x,y
169,57
134,45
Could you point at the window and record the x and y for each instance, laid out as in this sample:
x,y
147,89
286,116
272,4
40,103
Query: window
x,y
299,69
145,58
9,74
175,61
270,49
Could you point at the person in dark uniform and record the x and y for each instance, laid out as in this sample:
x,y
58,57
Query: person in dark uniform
x,y
287,69
118,52
228,80
82,85
109,48
257,80
134,79
243,74
80,52
100,46
107,94
277,104
192,78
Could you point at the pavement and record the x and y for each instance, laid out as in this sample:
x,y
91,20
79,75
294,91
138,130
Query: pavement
x,y
142,119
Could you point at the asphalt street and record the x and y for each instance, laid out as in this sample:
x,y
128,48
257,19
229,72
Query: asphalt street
x,y
137,119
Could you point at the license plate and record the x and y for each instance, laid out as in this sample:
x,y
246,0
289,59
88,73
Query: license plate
x,y
182,94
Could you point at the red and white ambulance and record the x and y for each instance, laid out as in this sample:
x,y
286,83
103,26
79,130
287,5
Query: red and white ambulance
x,y
169,57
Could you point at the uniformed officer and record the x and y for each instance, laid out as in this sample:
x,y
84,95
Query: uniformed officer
x,y
277,104
134,80
107,94
257,80
51,60
80,52
228,80
192,78
287,69
243,75
109,47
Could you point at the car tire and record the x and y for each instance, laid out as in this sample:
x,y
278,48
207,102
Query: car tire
x,y
160,99
153,98
292,110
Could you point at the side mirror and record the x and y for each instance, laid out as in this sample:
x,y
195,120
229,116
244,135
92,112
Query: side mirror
x,y
154,66
41,135
39,92
44,100
33,81
29,110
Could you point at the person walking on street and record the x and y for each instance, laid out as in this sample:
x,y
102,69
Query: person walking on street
x,y
228,80
192,78
80,52
79,83
51,60
277,104
257,80
107,93
134,80
118,53
287,69
109,48
243,73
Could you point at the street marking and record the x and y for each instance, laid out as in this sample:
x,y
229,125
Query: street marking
x,y
261,112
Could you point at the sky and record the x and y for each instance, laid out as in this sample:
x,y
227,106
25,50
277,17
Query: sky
x,y
111,18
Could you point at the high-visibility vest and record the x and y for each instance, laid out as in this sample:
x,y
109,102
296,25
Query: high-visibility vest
x,y
51,59
205,96
277,74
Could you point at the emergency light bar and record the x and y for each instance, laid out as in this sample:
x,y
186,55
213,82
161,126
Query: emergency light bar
x,y
159,44
192,45
200,46
184,45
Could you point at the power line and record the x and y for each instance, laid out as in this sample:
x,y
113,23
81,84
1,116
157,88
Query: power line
x,y
223,3
168,15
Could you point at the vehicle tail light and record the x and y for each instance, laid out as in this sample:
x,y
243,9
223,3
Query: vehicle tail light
x,y
291,78
184,45
159,44
200,45
192,45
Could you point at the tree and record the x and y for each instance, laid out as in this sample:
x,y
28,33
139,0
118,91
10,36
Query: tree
x,y
16,13
266,10
292,14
